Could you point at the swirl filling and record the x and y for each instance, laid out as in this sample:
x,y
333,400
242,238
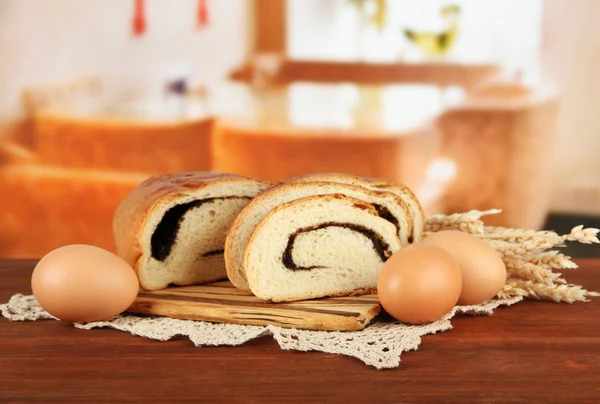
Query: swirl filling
x,y
387,215
379,245
164,235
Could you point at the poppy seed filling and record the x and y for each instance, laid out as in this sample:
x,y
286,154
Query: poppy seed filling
x,y
164,235
381,247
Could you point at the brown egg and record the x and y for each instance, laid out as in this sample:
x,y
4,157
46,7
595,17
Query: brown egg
x,y
483,271
419,284
82,283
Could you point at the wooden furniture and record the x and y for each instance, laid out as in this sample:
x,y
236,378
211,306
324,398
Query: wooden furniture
x,y
45,207
501,140
270,25
95,139
76,124
371,131
277,155
276,69
534,352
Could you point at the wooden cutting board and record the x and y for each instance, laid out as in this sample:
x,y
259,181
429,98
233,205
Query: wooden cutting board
x,y
222,302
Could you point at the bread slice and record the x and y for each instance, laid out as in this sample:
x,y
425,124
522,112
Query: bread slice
x,y
401,190
389,206
171,228
325,245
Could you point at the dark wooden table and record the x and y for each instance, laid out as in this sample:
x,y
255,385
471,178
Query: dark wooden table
x,y
533,352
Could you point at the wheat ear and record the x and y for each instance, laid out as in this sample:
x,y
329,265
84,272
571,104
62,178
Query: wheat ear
x,y
469,222
585,236
551,259
517,250
557,293
537,273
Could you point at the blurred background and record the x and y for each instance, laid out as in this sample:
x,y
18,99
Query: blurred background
x,y
474,104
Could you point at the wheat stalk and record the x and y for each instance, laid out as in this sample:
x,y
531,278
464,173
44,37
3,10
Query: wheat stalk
x,y
557,293
472,227
517,250
509,291
551,259
492,230
537,273
469,222
519,236
585,236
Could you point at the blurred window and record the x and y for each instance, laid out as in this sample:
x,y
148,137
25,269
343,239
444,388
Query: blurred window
x,y
500,31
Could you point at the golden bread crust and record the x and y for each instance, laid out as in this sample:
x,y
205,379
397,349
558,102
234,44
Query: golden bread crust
x,y
131,215
382,185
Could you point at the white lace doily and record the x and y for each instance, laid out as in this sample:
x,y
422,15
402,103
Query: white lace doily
x,y
379,345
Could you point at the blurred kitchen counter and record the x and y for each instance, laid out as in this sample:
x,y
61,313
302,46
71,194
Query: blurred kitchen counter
x,y
147,137
277,132
84,157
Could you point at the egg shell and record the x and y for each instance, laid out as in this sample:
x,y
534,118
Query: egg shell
x,y
419,284
82,283
483,271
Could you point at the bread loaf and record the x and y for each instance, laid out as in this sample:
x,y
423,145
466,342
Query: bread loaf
x,y
402,191
325,245
172,227
390,208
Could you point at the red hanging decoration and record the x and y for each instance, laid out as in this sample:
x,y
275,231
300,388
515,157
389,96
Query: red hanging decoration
x,y
139,18
202,14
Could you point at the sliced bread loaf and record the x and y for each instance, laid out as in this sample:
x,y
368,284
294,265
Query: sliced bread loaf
x,y
389,206
171,228
401,190
325,245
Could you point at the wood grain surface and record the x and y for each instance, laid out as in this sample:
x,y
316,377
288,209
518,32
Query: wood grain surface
x,y
533,352
221,302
